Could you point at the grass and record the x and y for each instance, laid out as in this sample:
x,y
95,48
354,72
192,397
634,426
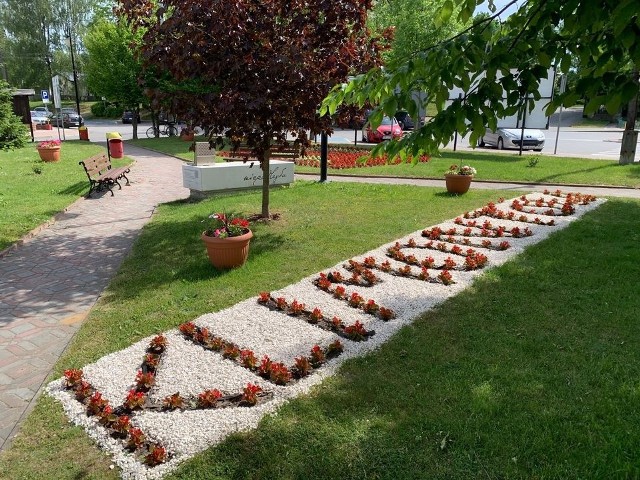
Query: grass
x,y
33,191
167,280
169,145
591,123
530,373
85,107
511,168
506,167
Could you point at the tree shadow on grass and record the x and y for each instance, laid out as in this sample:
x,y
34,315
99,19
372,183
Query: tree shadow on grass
x,y
172,251
78,188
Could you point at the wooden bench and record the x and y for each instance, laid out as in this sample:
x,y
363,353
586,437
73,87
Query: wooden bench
x,y
100,174
243,154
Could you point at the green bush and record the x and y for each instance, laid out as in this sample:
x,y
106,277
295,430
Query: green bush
x,y
13,133
99,109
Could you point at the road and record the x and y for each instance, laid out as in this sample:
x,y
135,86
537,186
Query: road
x,y
601,143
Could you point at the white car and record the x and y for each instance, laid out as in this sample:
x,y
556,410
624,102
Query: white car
x,y
39,117
532,139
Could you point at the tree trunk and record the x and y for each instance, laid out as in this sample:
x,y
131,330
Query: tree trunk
x,y
134,122
264,165
630,135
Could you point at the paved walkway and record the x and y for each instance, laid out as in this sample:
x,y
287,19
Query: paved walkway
x,y
49,284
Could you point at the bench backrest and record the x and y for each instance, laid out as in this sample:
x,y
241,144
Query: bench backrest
x,y
96,165
243,152
203,155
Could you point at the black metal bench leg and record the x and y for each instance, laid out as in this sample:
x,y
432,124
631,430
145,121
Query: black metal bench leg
x,y
125,177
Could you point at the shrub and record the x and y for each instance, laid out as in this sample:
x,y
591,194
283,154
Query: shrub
x,y
13,133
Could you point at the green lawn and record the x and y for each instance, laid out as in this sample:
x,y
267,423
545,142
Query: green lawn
x,y
507,167
530,373
511,168
33,191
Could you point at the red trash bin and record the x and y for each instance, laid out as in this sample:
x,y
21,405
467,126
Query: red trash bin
x,y
84,133
116,148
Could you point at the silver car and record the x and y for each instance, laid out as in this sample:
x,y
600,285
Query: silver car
x,y
67,117
39,117
532,139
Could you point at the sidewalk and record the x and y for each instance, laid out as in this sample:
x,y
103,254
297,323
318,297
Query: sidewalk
x,y
49,284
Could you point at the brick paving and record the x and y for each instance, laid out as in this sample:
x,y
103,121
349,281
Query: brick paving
x,y
49,283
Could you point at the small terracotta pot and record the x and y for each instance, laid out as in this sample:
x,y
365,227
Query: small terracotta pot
x,y
228,252
49,154
458,183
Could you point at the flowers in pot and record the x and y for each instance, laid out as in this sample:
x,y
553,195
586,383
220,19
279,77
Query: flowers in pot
x,y
458,178
460,170
49,150
187,134
227,240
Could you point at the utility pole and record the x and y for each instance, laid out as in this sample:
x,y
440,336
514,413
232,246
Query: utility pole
x,y
75,73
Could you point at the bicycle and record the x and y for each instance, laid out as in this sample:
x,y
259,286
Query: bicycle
x,y
168,129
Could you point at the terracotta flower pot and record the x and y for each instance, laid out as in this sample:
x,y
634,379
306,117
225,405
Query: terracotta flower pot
x,y
187,137
228,252
49,154
458,183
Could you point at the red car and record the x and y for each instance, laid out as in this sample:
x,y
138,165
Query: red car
x,y
388,129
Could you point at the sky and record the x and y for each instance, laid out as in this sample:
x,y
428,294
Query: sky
x,y
499,5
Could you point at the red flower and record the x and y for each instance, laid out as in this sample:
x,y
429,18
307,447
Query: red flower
x,y
72,377
157,455
208,398
356,332
188,329
248,359
317,356
250,394
136,439
144,381
134,400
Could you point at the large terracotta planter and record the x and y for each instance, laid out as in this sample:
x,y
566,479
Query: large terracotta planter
x,y
229,252
458,183
49,154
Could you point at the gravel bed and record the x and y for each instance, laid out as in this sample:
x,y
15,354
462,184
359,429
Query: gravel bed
x,y
190,369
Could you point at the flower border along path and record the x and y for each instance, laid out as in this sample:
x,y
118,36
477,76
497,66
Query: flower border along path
x,y
168,397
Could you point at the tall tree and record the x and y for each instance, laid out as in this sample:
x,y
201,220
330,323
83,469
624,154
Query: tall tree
x,y
113,69
489,63
262,67
36,30
414,24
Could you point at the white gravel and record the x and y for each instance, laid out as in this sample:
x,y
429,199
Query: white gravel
x,y
189,369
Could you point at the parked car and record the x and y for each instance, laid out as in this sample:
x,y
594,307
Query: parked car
x,y
405,120
388,129
127,117
39,117
532,139
67,117
43,110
